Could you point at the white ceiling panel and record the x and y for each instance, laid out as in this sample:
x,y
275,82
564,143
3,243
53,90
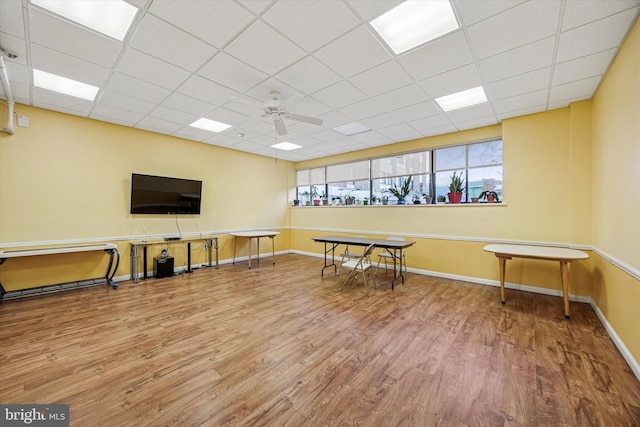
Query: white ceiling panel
x,y
164,41
352,53
311,23
58,34
595,37
232,73
520,25
264,48
222,59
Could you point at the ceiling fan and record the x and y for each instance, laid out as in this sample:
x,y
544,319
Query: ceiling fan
x,y
274,109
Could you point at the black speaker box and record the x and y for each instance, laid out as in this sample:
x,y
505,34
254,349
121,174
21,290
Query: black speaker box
x,y
163,267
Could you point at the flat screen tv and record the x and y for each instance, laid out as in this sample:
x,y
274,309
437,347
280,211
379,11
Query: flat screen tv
x,y
163,195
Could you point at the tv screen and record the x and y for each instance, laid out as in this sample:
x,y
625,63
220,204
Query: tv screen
x,y
163,195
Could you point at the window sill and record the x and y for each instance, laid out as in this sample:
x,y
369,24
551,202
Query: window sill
x,y
410,205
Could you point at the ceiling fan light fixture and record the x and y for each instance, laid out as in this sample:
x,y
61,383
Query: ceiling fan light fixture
x,y
463,99
286,146
64,85
413,23
210,125
110,17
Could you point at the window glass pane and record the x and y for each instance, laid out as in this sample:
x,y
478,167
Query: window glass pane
x,y
485,154
485,179
443,179
348,171
405,164
341,190
419,186
451,158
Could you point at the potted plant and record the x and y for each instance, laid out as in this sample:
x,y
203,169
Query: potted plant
x,y
491,196
374,200
350,200
305,196
441,199
316,199
456,187
416,199
402,192
385,200
427,199
296,202
325,199
365,201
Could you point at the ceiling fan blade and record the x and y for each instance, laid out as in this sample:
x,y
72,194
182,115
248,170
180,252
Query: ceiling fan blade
x,y
306,119
280,127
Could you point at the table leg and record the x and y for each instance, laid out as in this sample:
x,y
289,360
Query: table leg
x,y
258,246
564,271
502,261
235,239
273,251
250,239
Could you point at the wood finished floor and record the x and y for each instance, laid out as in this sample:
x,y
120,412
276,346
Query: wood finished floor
x,y
280,346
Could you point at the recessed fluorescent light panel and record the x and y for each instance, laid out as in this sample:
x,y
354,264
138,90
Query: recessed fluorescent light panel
x,y
351,128
413,23
110,17
210,125
287,146
463,99
64,86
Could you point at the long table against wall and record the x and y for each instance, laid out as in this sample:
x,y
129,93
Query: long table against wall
x,y
141,246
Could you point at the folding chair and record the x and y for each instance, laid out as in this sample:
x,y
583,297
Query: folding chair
x,y
361,265
349,255
385,255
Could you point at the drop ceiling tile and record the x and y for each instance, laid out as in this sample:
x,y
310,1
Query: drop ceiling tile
x,y
255,6
470,113
472,11
601,35
402,97
396,130
432,122
18,73
523,83
581,68
457,80
125,103
527,58
232,73
226,116
157,125
58,102
381,78
476,123
194,134
57,34
381,120
439,130
11,19
525,111
308,75
164,41
187,104
518,26
417,111
582,89
174,116
580,12
369,10
264,48
353,53
363,109
136,88
214,22
63,65
339,95
150,69
117,115
312,23
206,90
447,53
14,45
520,102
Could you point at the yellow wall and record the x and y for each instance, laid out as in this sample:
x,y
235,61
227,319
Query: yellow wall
x,y
616,193
67,179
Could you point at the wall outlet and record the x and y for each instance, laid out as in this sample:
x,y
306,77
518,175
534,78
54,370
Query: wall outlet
x,y
23,121
205,247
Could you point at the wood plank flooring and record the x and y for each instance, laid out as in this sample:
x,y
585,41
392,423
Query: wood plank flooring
x,y
280,346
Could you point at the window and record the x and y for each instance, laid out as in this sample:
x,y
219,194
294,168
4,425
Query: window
x,y
479,163
387,172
